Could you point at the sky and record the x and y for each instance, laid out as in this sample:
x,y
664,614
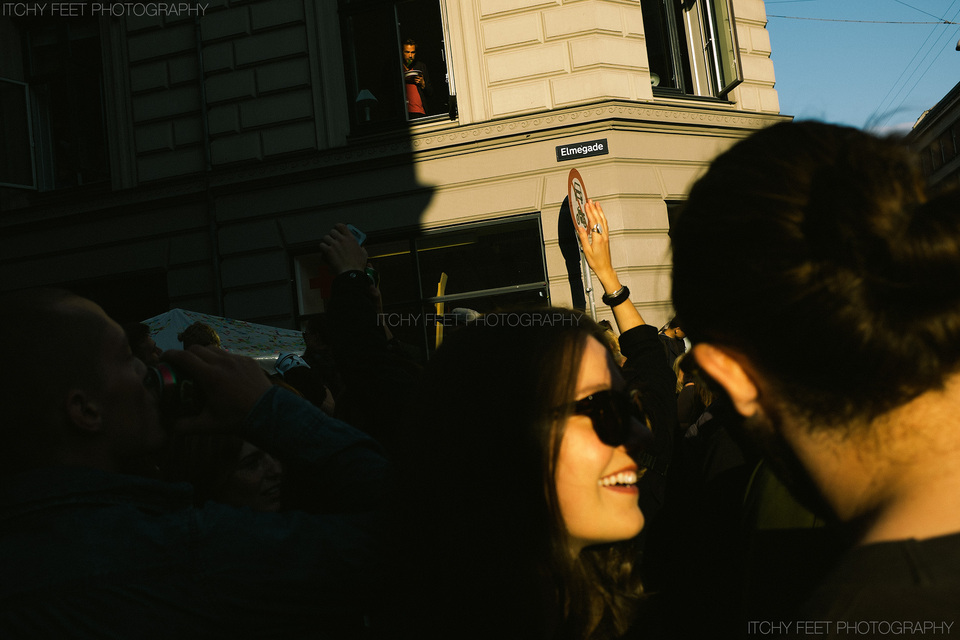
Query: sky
x,y
863,63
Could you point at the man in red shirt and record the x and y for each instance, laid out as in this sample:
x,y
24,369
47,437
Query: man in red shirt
x,y
416,80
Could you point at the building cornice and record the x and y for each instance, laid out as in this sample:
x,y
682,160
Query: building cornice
x,y
628,114
422,142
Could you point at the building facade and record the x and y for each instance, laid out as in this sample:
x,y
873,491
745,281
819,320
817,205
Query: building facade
x,y
936,137
193,158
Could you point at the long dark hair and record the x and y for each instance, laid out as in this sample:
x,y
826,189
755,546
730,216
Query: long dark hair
x,y
486,547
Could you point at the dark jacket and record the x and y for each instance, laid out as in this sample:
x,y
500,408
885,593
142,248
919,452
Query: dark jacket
x,y
93,554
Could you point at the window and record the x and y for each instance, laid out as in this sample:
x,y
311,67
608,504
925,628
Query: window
x,y
936,154
948,146
483,267
16,153
52,126
692,47
383,89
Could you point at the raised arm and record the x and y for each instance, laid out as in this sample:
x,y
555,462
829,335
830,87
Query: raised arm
x,y
345,468
595,241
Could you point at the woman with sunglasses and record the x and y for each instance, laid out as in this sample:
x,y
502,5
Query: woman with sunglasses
x,y
518,509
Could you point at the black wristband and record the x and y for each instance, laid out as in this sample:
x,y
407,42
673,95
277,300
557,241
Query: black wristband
x,y
617,297
353,274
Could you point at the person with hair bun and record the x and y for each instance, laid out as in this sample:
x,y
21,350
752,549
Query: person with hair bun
x,y
821,289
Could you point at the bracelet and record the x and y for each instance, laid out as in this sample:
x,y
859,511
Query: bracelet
x,y
617,297
353,274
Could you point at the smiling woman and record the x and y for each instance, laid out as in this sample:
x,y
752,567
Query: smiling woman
x,y
520,486
596,482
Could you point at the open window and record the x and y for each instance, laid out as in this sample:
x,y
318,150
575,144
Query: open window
x,y
52,121
385,85
692,47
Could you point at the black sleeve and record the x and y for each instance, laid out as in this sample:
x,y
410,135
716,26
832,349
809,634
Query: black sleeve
x,y
646,370
379,379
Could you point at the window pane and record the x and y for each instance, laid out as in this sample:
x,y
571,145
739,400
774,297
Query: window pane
x,y
398,271
374,83
947,146
659,45
65,75
16,163
727,52
936,154
480,258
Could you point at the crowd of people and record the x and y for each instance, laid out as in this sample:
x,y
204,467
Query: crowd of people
x,y
533,480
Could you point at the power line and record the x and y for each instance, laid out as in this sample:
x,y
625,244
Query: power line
x,y
876,111
892,110
919,78
917,9
860,21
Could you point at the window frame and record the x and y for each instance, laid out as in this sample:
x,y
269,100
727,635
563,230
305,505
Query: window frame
x,y
349,10
700,41
40,124
28,127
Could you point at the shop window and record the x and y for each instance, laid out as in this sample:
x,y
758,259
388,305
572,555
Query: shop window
x,y
52,122
692,47
485,267
385,84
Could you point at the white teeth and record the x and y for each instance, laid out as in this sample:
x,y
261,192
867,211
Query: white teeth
x,y
624,478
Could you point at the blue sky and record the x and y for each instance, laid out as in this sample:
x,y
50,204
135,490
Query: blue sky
x,y
849,66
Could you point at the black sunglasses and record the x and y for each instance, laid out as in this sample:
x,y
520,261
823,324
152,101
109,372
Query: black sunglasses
x,y
612,414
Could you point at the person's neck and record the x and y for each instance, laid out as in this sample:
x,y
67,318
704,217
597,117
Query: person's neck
x,y
900,474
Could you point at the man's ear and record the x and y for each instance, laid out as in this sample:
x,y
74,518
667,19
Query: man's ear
x,y
83,411
727,369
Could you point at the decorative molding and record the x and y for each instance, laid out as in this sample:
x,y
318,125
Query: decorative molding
x,y
395,148
640,113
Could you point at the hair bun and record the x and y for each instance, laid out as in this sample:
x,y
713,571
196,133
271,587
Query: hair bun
x,y
924,267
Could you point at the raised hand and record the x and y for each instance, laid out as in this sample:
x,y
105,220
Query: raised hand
x,y
342,251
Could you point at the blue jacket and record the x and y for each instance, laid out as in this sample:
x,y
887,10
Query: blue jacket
x,y
91,554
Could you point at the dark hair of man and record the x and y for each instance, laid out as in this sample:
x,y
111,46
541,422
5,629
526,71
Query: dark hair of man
x,y
811,249
54,342
410,41
489,540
